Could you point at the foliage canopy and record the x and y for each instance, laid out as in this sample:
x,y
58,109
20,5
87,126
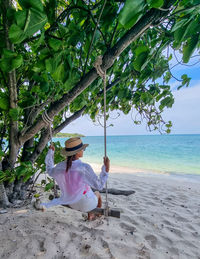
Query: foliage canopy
x,y
47,52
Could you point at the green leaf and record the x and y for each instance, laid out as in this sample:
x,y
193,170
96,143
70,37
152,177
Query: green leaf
x,y
5,65
26,4
63,30
21,17
17,62
10,60
140,60
146,97
38,42
14,114
37,195
49,63
166,102
44,86
49,186
28,176
189,48
131,12
2,154
44,53
179,24
191,29
4,101
155,3
8,53
141,49
69,61
55,44
59,74
186,81
21,171
28,23
37,22
16,34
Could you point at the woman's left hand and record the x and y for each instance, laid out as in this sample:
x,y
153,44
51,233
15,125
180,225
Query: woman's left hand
x,y
107,164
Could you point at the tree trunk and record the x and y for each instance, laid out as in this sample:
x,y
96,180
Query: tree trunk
x,y
3,197
7,192
12,86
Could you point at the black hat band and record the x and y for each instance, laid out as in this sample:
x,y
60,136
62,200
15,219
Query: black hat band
x,y
73,148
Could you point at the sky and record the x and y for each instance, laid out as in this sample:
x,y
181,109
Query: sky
x,y
185,113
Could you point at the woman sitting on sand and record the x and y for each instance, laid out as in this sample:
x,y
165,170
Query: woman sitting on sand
x,y
76,178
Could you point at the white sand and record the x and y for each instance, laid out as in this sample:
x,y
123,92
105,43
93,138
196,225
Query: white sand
x,y
161,220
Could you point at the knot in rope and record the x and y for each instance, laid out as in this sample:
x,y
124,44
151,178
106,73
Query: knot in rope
x,y
48,121
97,65
46,118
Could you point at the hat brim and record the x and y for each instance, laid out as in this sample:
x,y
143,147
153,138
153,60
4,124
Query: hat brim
x,y
71,153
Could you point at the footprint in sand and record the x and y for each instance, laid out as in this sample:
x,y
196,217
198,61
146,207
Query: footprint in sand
x,y
128,227
152,240
181,219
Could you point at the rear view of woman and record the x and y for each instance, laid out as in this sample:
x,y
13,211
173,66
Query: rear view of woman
x,y
76,178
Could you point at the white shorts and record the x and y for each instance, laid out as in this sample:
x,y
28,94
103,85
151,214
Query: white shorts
x,y
87,203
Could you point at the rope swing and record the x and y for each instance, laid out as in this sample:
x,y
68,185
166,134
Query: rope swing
x,y
102,74
107,212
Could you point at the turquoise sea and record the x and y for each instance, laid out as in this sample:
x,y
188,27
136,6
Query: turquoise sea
x,y
173,154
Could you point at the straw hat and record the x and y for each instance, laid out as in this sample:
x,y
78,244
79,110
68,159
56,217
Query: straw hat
x,y
73,146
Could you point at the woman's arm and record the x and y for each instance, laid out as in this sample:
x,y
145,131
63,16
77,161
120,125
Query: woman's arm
x,y
92,179
49,161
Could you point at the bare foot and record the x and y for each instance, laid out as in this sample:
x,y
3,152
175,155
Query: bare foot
x,y
92,216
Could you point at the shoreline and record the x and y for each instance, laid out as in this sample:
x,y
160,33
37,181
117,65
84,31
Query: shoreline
x,y
144,172
153,154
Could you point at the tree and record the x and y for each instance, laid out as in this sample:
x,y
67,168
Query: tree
x,y
47,53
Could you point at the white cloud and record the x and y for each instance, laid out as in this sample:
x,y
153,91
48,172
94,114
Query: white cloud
x,y
185,113
185,116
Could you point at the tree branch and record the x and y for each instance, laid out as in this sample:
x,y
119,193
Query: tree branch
x,y
139,28
75,116
45,136
32,114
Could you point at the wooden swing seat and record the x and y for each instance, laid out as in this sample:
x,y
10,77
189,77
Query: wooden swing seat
x,y
111,212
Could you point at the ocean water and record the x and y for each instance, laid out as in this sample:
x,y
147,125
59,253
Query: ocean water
x,y
172,154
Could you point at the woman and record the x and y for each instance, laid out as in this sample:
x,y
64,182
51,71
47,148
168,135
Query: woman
x,y
76,178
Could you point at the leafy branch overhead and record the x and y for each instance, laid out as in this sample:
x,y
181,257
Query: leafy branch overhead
x,y
47,53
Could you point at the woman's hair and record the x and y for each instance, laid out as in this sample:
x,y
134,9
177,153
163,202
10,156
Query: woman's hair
x,y
69,162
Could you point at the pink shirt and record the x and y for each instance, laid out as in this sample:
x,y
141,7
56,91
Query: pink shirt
x,y
73,184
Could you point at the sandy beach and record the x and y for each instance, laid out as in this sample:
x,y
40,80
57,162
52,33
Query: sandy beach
x,y
160,220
